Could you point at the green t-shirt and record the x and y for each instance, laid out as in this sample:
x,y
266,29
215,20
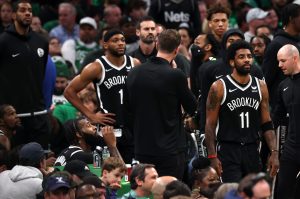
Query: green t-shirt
x,y
65,112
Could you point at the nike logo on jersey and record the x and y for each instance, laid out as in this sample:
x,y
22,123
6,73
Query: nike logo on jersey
x,y
15,55
128,68
167,4
285,88
217,77
254,89
231,90
107,70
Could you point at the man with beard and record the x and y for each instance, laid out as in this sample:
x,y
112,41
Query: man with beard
x,y
108,73
213,70
238,104
146,31
81,135
75,50
8,124
203,49
62,78
23,58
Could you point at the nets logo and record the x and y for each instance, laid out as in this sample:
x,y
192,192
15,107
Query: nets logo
x,y
177,17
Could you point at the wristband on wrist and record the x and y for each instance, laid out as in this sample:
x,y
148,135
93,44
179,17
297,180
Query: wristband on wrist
x,y
212,156
274,150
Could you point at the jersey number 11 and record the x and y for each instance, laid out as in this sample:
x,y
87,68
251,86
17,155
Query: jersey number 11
x,y
244,119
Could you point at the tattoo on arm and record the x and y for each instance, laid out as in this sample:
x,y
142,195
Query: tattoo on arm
x,y
210,139
213,99
115,152
212,111
270,139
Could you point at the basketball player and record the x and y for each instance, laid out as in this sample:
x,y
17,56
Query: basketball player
x,y
238,104
108,73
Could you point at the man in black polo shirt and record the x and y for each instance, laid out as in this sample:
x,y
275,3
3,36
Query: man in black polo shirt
x,y
147,32
156,93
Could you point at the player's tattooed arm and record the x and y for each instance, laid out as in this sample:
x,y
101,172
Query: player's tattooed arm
x,y
213,104
212,101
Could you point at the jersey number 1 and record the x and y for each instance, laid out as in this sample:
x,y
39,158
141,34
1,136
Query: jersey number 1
x,y
121,95
244,119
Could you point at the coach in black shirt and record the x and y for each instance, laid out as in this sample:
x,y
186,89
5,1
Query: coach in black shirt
x,y
290,35
288,100
155,95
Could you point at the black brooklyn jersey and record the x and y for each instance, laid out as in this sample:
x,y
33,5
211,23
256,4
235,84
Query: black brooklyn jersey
x,y
110,88
239,116
73,153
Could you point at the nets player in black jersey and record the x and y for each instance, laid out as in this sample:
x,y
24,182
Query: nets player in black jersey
x,y
108,73
237,108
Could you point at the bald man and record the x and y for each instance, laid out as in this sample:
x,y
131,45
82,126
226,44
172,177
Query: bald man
x,y
159,186
261,189
288,102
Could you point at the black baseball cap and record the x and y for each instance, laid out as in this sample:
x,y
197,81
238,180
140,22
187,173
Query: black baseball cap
x,y
32,151
78,168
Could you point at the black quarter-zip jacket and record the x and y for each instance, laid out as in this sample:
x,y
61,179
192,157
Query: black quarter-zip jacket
x,y
288,103
272,73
